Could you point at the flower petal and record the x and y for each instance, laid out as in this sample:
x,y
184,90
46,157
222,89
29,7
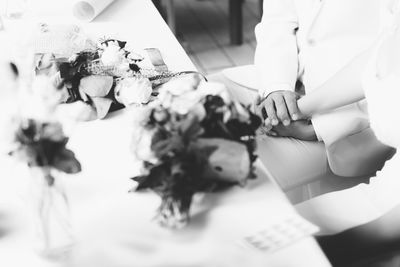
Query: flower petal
x,y
96,85
102,106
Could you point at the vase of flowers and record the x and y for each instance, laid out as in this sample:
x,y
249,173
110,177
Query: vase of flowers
x,y
35,136
42,146
193,138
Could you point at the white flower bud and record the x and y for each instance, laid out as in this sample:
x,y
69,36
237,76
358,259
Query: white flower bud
x,y
112,55
133,91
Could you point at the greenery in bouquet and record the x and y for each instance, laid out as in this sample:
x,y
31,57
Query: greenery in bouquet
x,y
193,138
43,145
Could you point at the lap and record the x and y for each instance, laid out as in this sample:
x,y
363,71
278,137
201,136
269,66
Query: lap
x,y
292,162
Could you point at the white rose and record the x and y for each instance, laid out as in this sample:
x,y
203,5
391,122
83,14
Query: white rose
x,y
112,55
133,91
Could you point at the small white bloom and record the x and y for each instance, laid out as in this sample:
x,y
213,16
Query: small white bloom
x,y
112,55
184,103
133,91
244,115
141,145
216,89
182,84
199,111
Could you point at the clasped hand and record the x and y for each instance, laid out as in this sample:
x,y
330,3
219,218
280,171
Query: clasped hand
x,y
282,117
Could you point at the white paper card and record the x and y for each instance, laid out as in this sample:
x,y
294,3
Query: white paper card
x,y
87,10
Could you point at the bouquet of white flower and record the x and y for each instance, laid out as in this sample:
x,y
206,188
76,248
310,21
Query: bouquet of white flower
x,y
106,77
193,138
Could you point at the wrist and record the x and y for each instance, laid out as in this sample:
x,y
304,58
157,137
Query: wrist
x,y
275,87
309,133
305,107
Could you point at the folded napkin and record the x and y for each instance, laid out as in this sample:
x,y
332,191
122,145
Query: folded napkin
x,y
87,10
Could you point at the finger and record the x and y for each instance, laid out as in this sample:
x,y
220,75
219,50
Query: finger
x,y
260,110
268,124
291,104
281,110
270,110
281,130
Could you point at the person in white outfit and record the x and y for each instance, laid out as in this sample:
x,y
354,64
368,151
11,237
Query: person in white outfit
x,y
307,42
367,217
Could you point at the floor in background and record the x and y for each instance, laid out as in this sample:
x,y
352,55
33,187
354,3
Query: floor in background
x,y
203,31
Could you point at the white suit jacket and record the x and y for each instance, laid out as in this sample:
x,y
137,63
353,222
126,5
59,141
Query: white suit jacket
x,y
313,41
339,211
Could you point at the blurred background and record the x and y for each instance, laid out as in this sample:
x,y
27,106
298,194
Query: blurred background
x,y
216,34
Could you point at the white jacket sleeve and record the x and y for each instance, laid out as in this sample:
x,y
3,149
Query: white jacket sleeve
x,y
276,56
349,119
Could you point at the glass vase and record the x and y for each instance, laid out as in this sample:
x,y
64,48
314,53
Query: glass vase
x,y
53,235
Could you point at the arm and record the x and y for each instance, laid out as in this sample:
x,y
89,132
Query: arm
x,y
276,56
276,61
342,89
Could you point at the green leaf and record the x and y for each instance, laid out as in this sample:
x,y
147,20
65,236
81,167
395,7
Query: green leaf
x,y
96,85
65,161
102,106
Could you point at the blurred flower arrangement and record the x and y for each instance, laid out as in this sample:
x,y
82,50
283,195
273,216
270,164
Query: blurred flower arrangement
x,y
34,135
193,138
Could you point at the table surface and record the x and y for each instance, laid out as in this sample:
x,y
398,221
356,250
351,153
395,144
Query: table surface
x,y
114,227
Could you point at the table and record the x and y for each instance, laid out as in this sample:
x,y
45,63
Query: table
x,y
235,18
114,228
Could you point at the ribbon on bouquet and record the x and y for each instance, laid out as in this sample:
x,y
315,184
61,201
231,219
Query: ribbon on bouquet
x,y
159,65
158,75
